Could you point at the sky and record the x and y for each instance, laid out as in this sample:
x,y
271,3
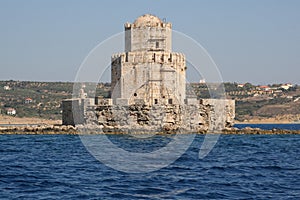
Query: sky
x,y
256,41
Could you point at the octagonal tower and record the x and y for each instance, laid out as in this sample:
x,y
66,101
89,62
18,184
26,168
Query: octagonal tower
x,y
148,70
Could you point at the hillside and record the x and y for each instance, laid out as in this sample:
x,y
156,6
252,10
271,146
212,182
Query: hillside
x,y
253,103
37,99
277,102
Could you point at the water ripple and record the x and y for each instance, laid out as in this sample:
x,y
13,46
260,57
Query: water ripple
x,y
239,167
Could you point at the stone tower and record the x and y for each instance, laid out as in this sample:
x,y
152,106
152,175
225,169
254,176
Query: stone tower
x,y
148,70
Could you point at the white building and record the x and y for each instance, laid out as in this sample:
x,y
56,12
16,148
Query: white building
x,y
202,81
28,100
286,86
11,111
6,87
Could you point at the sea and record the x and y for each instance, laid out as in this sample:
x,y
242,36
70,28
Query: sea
x,y
237,167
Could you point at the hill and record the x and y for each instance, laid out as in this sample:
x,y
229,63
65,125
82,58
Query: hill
x,y
279,102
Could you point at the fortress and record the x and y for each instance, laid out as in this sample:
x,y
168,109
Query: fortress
x,y
148,89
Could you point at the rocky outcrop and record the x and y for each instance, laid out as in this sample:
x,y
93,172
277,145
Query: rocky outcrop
x,y
40,129
95,129
254,131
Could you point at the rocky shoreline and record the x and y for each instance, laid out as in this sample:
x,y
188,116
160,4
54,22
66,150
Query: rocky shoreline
x,y
39,129
63,129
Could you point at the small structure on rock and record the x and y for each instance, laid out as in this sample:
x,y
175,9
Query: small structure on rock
x,y
148,89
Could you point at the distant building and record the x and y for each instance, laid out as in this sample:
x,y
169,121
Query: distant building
x,y
28,100
6,87
202,81
241,85
264,88
286,86
11,111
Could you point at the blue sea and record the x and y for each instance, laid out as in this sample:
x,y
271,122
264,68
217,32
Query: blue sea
x,y
238,167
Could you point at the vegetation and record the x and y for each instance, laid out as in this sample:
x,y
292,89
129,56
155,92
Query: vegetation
x,y
251,100
46,97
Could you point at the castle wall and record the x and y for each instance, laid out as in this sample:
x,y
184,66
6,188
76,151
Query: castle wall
x,y
225,106
200,117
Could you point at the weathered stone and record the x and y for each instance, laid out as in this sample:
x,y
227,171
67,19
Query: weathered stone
x,y
191,101
122,101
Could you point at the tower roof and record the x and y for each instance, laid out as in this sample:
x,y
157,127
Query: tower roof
x,y
147,20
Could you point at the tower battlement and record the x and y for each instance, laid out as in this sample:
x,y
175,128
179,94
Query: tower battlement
x,y
148,20
149,57
148,33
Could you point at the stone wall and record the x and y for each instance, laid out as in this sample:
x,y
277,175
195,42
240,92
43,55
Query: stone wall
x,y
223,111
201,117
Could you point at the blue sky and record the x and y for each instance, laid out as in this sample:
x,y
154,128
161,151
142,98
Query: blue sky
x,y
255,41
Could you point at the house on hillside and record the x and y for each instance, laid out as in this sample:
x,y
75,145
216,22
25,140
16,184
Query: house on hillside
x,y
28,100
264,88
286,86
11,111
6,87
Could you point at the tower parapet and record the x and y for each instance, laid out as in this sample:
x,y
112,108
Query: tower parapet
x,y
148,33
149,57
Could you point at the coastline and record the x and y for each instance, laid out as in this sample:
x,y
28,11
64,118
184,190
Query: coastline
x,y
71,130
15,125
267,121
10,120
